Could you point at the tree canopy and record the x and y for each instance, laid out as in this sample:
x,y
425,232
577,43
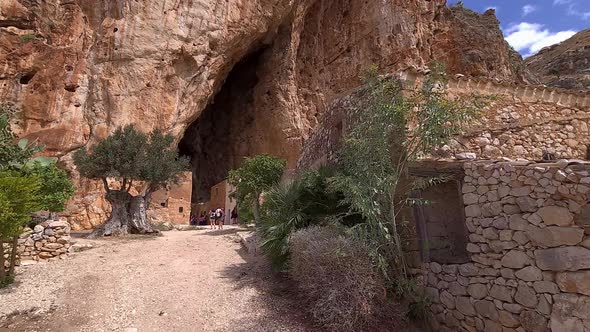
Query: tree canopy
x,y
256,175
129,155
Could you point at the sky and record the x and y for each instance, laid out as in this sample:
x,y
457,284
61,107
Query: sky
x,y
530,25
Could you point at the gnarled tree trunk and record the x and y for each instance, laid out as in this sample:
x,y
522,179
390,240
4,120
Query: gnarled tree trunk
x,y
128,215
138,223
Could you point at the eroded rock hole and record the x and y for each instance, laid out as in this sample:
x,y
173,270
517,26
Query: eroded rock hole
x,y
219,139
27,77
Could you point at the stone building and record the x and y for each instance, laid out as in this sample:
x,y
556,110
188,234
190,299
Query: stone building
x,y
505,244
220,198
173,204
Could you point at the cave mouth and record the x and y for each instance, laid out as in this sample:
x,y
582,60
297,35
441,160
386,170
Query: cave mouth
x,y
218,140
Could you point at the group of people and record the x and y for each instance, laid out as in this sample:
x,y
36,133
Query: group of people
x,y
216,218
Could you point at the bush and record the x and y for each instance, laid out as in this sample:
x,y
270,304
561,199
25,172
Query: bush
x,y
28,37
303,202
335,274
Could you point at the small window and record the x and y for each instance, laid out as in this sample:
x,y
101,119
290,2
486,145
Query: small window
x,y
163,204
180,209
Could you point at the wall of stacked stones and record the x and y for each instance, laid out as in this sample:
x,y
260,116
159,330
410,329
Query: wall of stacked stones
x,y
48,240
516,129
529,240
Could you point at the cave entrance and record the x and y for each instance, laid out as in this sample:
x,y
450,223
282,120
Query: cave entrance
x,y
219,139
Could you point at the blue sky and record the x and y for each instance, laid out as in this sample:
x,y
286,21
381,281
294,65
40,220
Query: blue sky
x,y
530,25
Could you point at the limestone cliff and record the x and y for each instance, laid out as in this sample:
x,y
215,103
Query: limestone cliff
x,y
565,65
227,78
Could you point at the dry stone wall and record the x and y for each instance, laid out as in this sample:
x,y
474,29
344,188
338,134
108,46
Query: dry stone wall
x,y
529,242
48,240
521,121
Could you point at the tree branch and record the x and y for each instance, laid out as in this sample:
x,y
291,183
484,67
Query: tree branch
x,y
130,184
106,185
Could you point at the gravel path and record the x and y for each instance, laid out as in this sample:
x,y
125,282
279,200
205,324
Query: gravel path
x,y
182,281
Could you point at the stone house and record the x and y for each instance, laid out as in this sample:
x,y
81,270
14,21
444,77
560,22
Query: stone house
x,y
173,204
505,244
220,198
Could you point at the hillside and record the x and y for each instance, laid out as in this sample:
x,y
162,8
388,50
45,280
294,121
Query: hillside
x,y
565,65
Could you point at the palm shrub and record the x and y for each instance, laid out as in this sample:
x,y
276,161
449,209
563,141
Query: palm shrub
x,y
297,204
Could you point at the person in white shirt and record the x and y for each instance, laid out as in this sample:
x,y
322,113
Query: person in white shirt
x,y
219,218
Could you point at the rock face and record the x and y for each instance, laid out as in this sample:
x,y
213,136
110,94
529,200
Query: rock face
x,y
565,65
77,70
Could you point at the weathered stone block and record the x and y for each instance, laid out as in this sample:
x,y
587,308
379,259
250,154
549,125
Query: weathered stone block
x,y
563,259
501,293
477,291
529,273
487,309
546,287
465,306
574,282
447,300
555,236
526,296
508,319
556,215
515,259
532,321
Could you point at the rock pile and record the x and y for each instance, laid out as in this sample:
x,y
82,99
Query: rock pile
x,y
48,240
530,251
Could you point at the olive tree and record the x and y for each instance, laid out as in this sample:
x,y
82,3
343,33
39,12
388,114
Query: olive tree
x,y
124,159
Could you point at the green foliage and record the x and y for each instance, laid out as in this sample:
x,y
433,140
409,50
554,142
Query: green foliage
x,y
256,175
298,204
56,187
392,131
28,37
19,197
14,156
245,212
129,155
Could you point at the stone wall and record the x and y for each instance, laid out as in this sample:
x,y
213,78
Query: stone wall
x,y
529,268
49,240
521,121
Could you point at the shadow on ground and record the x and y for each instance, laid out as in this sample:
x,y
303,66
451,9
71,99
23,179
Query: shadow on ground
x,y
278,296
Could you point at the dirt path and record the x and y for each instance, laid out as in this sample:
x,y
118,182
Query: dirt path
x,y
182,281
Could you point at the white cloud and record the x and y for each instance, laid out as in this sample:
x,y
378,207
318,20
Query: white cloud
x,y
572,9
530,38
527,9
561,2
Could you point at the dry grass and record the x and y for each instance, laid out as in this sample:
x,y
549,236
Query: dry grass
x,y
335,274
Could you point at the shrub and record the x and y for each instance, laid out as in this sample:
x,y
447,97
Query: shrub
x,y
27,37
334,272
291,206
